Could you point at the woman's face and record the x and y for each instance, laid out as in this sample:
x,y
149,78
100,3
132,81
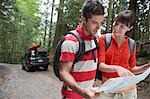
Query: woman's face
x,y
120,29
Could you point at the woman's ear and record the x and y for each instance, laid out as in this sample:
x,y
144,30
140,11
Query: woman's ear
x,y
131,28
114,23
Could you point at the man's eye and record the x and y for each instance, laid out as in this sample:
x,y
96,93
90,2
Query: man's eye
x,y
94,22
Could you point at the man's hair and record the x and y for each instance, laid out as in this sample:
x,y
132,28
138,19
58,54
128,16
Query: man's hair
x,y
92,7
126,17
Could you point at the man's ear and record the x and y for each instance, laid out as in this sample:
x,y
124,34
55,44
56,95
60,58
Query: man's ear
x,y
83,19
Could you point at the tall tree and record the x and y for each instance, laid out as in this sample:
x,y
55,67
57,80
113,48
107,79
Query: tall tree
x,y
18,27
109,19
50,28
133,7
60,25
46,22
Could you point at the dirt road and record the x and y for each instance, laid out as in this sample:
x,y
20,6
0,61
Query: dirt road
x,y
19,84
16,83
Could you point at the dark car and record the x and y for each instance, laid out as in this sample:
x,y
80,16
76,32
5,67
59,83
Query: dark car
x,y
33,61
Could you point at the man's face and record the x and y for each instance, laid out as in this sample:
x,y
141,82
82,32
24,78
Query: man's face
x,y
93,24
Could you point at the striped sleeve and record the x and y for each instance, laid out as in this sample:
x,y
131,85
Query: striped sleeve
x,y
69,48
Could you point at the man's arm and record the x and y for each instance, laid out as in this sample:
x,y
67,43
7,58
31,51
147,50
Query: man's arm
x,y
65,69
65,75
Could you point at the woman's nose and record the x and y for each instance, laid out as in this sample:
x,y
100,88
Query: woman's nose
x,y
117,27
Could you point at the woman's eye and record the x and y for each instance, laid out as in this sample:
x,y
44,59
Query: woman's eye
x,y
122,26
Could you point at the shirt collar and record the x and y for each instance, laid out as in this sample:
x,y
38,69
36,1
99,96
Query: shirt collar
x,y
113,37
79,29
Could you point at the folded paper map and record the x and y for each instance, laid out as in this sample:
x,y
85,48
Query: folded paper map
x,y
113,85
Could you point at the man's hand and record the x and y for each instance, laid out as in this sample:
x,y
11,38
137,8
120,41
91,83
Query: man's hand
x,y
89,93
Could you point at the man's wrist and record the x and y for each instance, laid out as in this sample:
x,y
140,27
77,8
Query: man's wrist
x,y
77,88
114,68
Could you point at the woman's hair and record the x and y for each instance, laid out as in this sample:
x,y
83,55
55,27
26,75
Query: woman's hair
x,y
126,17
92,7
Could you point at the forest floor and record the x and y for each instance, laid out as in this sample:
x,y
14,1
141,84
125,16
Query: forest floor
x,y
16,83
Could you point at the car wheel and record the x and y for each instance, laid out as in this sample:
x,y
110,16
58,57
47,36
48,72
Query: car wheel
x,y
27,65
23,63
45,68
34,68
28,68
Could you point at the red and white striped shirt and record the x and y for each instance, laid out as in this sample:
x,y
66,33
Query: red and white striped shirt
x,y
84,71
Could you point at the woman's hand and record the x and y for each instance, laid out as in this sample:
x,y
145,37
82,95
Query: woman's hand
x,y
140,69
125,90
122,72
147,66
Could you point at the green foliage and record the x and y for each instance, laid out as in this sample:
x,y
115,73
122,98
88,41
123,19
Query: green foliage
x,y
19,27
143,21
19,23
7,9
28,7
73,12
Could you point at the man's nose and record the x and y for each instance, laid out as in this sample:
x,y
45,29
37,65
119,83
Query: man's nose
x,y
98,26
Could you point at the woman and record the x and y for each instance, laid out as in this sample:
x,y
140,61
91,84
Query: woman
x,y
117,61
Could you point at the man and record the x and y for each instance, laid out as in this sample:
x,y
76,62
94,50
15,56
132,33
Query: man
x,y
79,78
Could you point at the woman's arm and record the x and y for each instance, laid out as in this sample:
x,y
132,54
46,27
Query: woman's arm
x,y
122,72
140,69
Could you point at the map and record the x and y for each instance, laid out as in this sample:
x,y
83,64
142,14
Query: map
x,y
113,85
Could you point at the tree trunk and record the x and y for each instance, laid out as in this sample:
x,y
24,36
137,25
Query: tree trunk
x,y
50,29
109,19
133,7
46,24
121,5
60,25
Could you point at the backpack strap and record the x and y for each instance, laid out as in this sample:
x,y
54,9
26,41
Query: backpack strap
x,y
107,44
131,44
78,56
107,40
80,53
96,43
97,47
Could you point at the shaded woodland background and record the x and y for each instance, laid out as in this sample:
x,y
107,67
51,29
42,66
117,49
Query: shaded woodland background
x,y
24,23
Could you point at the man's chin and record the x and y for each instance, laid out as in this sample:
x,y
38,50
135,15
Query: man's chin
x,y
94,32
